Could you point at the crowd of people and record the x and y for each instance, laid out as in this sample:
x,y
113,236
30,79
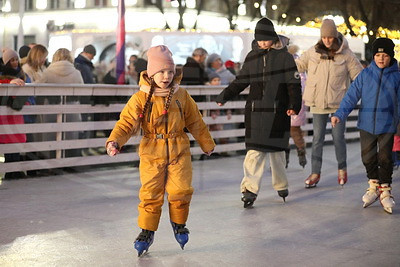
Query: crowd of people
x,y
327,79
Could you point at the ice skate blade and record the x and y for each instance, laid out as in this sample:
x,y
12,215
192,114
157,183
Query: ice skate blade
x,y
248,205
140,254
284,201
388,210
308,186
141,248
366,204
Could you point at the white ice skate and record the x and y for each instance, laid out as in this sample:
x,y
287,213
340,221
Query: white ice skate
x,y
372,193
386,198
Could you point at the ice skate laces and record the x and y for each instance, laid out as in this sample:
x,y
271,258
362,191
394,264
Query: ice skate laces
x,y
385,192
144,236
373,187
180,229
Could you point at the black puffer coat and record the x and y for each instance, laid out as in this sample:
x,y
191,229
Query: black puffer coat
x,y
274,88
193,73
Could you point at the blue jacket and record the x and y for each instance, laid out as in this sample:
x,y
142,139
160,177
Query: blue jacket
x,y
379,91
86,68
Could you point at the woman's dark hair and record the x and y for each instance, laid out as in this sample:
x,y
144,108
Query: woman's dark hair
x,y
17,73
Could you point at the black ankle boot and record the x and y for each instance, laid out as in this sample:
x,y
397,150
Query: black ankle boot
x,y
301,153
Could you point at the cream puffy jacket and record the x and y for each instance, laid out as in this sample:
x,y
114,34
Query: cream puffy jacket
x,y
328,80
61,72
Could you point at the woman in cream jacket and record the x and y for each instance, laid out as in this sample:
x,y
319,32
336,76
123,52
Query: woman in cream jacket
x,y
330,66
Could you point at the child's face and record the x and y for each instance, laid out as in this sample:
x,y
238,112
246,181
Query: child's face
x,y
382,60
163,78
215,81
14,63
265,44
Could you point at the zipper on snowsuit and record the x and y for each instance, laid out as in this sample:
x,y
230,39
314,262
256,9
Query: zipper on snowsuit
x,y
264,72
166,139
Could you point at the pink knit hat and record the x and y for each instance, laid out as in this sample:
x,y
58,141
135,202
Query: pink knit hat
x,y
159,58
8,54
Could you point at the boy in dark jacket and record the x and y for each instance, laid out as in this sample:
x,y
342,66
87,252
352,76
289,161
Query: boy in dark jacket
x,y
275,94
378,87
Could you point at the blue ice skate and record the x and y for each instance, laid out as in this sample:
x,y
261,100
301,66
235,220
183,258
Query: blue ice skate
x,y
144,241
181,233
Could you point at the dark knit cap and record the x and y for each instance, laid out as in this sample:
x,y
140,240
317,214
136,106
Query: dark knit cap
x,y
90,49
23,51
213,75
383,45
265,30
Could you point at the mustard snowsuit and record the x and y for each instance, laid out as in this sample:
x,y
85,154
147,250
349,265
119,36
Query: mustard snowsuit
x,y
164,151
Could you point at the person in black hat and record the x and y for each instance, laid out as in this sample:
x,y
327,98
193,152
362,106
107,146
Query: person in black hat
x,y
23,53
83,62
378,87
275,94
194,70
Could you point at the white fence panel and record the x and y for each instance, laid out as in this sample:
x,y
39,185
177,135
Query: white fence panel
x,y
230,139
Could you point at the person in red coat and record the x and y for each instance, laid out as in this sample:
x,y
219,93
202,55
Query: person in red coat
x,y
11,119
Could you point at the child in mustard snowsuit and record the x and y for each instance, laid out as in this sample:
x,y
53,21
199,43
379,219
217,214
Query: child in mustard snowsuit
x,y
162,110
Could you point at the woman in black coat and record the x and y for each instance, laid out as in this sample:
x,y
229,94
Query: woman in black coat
x,y
275,94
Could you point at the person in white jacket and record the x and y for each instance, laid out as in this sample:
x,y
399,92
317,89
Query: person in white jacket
x,y
330,65
62,71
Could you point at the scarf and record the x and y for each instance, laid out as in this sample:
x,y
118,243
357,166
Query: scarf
x,y
159,91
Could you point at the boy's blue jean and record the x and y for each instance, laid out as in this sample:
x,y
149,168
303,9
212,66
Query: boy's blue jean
x,y
319,127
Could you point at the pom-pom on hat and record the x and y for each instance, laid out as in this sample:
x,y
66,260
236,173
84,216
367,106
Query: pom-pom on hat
x,y
383,45
90,49
159,58
8,54
328,29
265,30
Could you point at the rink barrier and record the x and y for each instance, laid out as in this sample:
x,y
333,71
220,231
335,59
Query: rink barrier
x,y
234,134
